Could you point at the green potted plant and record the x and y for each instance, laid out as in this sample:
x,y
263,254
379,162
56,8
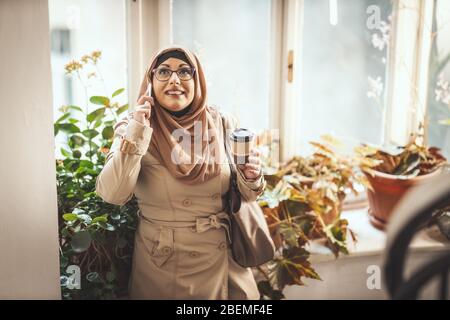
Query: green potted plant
x,y
303,202
95,236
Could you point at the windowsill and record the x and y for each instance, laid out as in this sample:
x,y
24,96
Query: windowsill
x,y
371,241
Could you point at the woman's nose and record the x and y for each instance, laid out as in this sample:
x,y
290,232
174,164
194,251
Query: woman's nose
x,y
174,78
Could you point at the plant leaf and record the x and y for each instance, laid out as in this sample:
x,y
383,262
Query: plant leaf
x,y
122,109
70,216
90,133
94,115
81,241
75,108
68,127
100,100
117,92
108,133
63,117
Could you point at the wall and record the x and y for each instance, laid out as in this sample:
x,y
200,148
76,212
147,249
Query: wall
x,y
29,266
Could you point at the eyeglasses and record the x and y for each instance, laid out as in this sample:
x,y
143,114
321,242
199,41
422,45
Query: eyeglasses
x,y
164,74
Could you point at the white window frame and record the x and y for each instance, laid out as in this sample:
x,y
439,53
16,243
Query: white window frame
x,y
148,29
407,81
289,89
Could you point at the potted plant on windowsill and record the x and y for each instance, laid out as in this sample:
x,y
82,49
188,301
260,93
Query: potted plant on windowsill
x,y
391,173
303,202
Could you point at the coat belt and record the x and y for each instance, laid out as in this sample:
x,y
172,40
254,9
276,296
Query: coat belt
x,y
199,225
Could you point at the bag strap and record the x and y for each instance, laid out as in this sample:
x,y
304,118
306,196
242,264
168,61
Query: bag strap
x,y
234,190
227,151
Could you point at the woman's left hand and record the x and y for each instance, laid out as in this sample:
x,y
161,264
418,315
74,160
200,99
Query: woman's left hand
x,y
252,169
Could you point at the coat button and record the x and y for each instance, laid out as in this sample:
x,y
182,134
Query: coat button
x,y
187,202
193,254
166,250
215,196
222,246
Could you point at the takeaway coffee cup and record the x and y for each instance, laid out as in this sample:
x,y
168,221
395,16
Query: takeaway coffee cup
x,y
241,144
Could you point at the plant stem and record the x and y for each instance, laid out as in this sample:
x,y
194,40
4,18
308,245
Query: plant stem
x,y
87,112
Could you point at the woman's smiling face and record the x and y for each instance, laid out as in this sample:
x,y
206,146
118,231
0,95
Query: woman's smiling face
x,y
173,93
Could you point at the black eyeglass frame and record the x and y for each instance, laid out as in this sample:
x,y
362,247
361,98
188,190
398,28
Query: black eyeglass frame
x,y
171,72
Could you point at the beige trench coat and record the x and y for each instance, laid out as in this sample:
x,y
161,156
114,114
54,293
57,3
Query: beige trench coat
x,y
181,245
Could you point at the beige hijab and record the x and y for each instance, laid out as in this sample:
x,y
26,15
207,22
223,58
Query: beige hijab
x,y
195,166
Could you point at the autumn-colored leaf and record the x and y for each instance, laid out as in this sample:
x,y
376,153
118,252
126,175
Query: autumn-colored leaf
x,y
293,267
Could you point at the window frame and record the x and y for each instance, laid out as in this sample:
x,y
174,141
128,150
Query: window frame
x,y
149,26
408,66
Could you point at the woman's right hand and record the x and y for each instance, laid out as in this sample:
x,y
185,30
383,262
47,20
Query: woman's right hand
x,y
144,110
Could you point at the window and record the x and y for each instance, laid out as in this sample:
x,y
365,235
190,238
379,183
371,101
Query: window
x,y
232,39
439,83
342,71
79,28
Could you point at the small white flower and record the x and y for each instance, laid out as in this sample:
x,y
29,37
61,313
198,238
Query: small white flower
x,y
375,87
442,91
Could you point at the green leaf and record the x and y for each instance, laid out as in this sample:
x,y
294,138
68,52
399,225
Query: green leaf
x,y
81,241
68,127
108,133
100,100
75,108
96,114
70,216
98,123
117,92
102,218
73,120
122,109
93,145
106,226
63,117
65,153
86,218
86,164
115,216
76,154
90,133
77,140
78,211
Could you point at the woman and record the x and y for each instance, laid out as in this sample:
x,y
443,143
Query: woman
x,y
181,245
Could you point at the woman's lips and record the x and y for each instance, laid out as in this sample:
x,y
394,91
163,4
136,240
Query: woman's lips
x,y
175,93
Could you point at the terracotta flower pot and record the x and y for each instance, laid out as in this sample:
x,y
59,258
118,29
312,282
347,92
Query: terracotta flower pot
x,y
387,191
